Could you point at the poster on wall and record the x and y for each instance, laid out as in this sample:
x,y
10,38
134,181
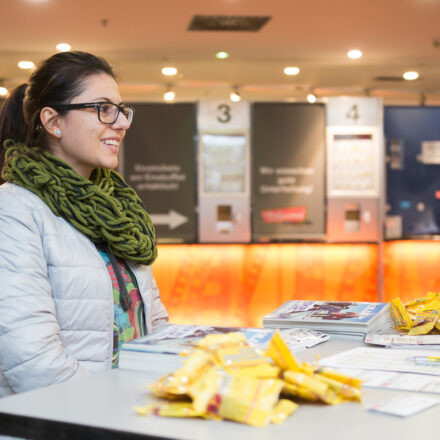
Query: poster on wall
x,y
288,171
413,170
352,168
158,162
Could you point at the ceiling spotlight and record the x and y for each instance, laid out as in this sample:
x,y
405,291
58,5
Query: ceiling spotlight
x,y
26,65
3,91
222,55
169,71
311,98
169,95
354,54
234,96
291,70
63,47
410,76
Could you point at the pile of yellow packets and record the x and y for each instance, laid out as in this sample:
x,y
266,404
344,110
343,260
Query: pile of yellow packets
x,y
225,378
420,316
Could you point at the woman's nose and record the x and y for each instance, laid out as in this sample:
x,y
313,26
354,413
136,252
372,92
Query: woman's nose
x,y
121,122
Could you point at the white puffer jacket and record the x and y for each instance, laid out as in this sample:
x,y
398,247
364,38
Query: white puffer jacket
x,y
56,299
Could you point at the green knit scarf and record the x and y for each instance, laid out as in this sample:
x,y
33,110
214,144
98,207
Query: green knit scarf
x,y
104,208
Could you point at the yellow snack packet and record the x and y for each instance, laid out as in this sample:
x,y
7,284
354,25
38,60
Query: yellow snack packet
x,y
179,382
399,314
246,400
343,390
242,356
301,392
265,370
434,304
424,323
195,365
174,409
203,390
279,352
318,388
308,368
283,409
421,304
167,388
145,410
332,374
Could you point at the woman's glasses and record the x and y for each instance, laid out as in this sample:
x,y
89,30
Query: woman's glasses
x,y
108,112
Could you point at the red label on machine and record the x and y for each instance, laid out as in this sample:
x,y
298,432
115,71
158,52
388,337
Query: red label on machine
x,y
296,214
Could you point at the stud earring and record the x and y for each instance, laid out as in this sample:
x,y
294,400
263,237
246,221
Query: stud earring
x,y
58,132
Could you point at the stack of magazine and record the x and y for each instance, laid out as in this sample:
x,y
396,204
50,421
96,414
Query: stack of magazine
x,y
159,352
347,319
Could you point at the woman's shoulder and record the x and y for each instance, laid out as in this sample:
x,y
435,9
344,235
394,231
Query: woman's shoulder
x,y
20,205
15,196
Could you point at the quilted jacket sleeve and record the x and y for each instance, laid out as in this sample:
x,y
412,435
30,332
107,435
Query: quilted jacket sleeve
x,y
156,315
159,315
31,352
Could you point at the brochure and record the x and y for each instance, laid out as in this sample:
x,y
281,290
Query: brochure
x,y
404,341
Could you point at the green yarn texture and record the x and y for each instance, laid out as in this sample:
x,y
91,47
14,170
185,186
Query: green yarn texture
x,y
103,208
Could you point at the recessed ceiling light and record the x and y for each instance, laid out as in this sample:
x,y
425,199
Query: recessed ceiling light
x,y
235,97
222,55
291,70
354,54
63,47
3,91
169,71
170,95
311,98
26,65
410,76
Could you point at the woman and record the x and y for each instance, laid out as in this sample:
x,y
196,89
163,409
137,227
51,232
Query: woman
x,y
76,244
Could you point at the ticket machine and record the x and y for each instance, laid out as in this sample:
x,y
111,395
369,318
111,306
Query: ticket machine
x,y
354,169
223,171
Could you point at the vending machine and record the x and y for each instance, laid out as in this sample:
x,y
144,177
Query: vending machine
x,y
355,169
223,158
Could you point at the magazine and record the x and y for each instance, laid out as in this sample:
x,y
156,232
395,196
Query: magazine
x,y
335,317
161,350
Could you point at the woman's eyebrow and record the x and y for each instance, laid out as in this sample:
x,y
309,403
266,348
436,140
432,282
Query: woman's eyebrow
x,y
103,98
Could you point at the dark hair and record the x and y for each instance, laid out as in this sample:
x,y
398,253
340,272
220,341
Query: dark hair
x,y
56,80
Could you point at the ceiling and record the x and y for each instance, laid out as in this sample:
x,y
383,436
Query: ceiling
x,y
139,37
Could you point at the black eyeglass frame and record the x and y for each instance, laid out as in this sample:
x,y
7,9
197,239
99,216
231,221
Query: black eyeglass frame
x,y
97,106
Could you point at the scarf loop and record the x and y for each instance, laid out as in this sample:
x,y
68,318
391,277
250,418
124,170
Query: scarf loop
x,y
103,208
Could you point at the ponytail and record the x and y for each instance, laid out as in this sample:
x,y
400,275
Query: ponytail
x,y
12,124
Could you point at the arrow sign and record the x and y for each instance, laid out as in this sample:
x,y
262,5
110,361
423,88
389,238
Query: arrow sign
x,y
173,219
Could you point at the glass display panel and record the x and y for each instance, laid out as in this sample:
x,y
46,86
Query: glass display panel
x,y
224,163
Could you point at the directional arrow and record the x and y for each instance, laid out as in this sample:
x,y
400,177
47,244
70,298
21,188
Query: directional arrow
x,y
173,219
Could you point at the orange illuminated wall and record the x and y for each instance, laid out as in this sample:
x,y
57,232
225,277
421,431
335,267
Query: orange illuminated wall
x,y
238,284
411,269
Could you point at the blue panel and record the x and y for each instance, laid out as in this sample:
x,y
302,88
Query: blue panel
x,y
412,185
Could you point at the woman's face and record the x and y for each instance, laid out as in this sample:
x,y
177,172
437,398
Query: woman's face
x,y
85,142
